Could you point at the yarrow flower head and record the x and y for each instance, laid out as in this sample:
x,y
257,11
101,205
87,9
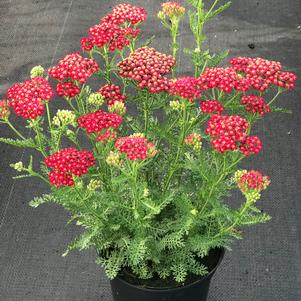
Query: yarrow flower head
x,y
4,109
176,105
74,66
148,67
94,184
96,99
86,43
96,121
249,145
114,159
185,87
211,107
223,78
261,73
136,147
251,180
112,94
67,163
194,140
255,104
173,9
117,107
37,71
107,136
28,98
67,89
64,117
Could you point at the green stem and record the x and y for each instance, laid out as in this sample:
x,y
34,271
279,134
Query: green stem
x,y
15,130
48,116
275,97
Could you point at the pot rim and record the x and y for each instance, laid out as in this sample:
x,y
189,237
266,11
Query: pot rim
x,y
158,289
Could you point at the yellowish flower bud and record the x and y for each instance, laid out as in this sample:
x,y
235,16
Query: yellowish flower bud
x,y
18,166
37,71
117,107
96,99
94,184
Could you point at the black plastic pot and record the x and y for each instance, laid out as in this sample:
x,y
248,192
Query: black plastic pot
x,y
195,291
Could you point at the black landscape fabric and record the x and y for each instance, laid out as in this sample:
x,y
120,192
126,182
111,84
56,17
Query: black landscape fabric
x,y
265,266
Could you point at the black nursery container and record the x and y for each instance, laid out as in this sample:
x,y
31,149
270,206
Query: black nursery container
x,y
195,291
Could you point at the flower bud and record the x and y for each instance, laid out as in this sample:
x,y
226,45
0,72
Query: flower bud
x,y
113,159
117,107
18,166
63,117
96,99
37,71
94,184
4,110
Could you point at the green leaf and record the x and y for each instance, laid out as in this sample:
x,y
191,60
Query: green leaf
x,y
45,198
137,251
19,143
218,11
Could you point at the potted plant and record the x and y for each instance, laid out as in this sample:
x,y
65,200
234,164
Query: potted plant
x,y
149,184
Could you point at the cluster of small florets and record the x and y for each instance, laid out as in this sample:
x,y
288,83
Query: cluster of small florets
x,y
68,162
194,140
262,72
107,136
27,98
211,107
67,89
63,117
230,134
4,109
112,94
223,78
96,99
148,67
176,105
136,147
74,66
173,9
96,121
185,87
37,71
117,107
255,104
251,180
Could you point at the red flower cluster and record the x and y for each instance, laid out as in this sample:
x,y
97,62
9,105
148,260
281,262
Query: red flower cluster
x,y
110,32
148,67
96,121
107,136
251,144
230,134
123,13
223,78
28,98
136,147
186,87
262,72
255,104
112,93
4,109
67,89
211,107
253,180
68,162
74,66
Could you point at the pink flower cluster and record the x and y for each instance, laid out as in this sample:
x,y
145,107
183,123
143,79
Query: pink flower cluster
x,y
223,78
261,73
68,162
173,9
110,30
255,104
67,89
211,107
185,87
107,136
136,147
253,180
230,134
74,66
148,67
4,109
96,121
28,98
112,93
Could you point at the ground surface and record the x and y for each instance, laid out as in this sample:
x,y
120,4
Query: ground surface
x,y
265,266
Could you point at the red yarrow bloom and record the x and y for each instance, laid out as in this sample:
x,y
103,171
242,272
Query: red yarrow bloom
x,y
261,73
136,147
107,136
67,89
148,67
74,66
96,121
185,87
112,93
4,109
255,104
86,43
28,98
253,180
211,107
251,144
223,78
68,162
123,13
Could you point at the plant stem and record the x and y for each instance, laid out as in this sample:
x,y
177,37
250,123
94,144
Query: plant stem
x,y
275,97
48,116
15,130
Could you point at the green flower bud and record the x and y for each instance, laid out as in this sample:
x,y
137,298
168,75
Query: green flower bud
x,y
37,71
18,166
96,99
